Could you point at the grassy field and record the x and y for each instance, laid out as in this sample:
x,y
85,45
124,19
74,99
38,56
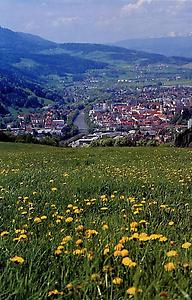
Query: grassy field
x,y
95,223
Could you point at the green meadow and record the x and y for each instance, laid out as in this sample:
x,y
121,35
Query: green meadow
x,y
95,223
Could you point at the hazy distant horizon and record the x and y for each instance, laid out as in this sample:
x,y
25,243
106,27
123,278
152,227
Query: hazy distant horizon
x,y
97,21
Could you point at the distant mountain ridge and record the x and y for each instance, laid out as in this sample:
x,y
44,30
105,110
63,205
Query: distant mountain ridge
x,y
22,41
169,46
34,56
29,63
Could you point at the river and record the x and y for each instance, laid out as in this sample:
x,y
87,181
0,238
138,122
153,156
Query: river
x,y
80,121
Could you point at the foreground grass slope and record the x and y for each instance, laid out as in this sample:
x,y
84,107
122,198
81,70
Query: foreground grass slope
x,y
95,223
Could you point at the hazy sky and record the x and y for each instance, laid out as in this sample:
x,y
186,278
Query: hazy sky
x,y
97,20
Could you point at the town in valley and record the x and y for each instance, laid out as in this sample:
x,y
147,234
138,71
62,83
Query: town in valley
x,y
142,113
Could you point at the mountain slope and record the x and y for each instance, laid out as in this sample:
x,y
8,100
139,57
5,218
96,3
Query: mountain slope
x,y
17,93
35,57
113,54
22,42
24,53
29,65
169,46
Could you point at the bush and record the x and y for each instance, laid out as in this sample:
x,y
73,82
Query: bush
x,y
26,138
107,142
50,141
124,142
152,143
6,136
141,143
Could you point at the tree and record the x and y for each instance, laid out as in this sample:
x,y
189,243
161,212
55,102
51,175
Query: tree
x,y
184,139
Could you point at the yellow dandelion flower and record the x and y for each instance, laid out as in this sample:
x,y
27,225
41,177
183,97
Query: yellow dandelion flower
x,y
133,224
79,228
123,239
117,281
57,252
169,266
106,251
133,290
65,174
60,247
37,220
90,256
105,227
163,239
128,262
163,205
143,222
17,259
186,265
69,286
131,199
119,247
171,223
79,242
4,233
117,253
69,220
22,237
54,189
21,231
77,252
66,239
104,208
124,252
54,293
91,232
143,237
186,245
155,236
135,236
172,253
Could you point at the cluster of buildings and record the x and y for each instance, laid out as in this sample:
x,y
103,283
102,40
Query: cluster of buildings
x,y
140,113
150,118
51,120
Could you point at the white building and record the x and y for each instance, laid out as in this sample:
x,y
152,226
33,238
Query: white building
x,y
189,125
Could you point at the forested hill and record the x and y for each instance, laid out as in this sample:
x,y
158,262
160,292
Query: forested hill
x,y
28,64
36,57
17,92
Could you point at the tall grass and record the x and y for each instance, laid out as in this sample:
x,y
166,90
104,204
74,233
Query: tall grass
x,y
68,217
